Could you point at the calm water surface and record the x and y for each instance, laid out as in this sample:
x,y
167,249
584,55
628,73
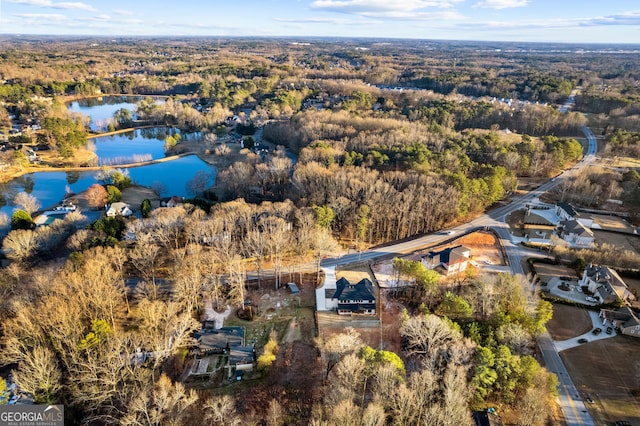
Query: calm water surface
x,y
50,187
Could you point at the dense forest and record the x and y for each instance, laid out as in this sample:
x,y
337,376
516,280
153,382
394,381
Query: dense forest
x,y
372,142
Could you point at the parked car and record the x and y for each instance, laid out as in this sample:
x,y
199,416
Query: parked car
x,y
609,330
591,299
597,331
582,341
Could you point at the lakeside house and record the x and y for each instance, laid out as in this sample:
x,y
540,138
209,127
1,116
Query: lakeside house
x,y
119,209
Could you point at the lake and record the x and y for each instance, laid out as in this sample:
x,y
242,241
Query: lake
x,y
135,146
50,187
102,109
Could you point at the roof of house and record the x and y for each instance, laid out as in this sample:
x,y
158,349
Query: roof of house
x,y
607,293
568,208
355,307
362,290
210,339
625,314
449,256
532,217
602,274
575,227
241,355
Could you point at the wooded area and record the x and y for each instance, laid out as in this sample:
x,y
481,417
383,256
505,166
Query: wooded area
x,y
369,146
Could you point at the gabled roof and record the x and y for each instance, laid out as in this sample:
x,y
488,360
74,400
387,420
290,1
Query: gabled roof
x,y
363,290
531,217
449,256
625,315
575,227
210,339
568,208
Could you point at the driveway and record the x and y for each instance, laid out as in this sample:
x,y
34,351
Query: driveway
x,y
572,295
561,345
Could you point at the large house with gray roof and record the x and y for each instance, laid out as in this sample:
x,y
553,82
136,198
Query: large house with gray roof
x,y
348,298
605,284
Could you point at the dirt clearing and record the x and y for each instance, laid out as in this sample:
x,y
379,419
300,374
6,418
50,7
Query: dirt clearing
x,y
607,372
568,322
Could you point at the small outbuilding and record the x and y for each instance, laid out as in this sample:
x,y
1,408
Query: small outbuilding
x,y
293,288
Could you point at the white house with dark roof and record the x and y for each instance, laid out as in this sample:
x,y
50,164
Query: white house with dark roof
x,y
605,284
452,260
575,233
349,298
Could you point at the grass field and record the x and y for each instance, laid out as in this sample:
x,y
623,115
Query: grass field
x,y
607,371
568,322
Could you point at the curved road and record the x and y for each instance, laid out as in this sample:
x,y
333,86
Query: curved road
x,y
573,407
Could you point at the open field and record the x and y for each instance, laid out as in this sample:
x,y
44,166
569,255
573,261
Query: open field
x,y
607,372
568,322
620,241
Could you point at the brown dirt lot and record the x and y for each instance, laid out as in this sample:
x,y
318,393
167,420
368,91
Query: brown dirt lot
x,y
607,372
568,322
546,271
620,241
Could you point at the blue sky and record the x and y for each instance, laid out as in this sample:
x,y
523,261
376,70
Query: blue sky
x,y
576,21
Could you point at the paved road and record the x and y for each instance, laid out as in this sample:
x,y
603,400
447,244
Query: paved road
x,y
572,406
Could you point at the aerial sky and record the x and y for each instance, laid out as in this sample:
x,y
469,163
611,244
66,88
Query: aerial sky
x,y
575,21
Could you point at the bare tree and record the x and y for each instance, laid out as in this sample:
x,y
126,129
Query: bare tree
x,y
26,202
165,404
21,244
39,375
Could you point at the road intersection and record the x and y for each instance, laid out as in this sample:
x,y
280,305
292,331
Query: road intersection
x,y
573,407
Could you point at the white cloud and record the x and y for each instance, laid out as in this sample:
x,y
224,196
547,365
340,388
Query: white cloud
x,y
631,18
501,4
73,5
123,12
53,5
45,17
416,16
334,21
364,6
32,2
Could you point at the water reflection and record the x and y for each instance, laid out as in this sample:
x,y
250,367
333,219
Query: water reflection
x,y
51,187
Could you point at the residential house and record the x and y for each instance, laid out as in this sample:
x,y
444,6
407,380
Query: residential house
x,y
575,233
119,209
349,298
624,320
449,261
566,211
226,344
605,284
218,341
172,201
